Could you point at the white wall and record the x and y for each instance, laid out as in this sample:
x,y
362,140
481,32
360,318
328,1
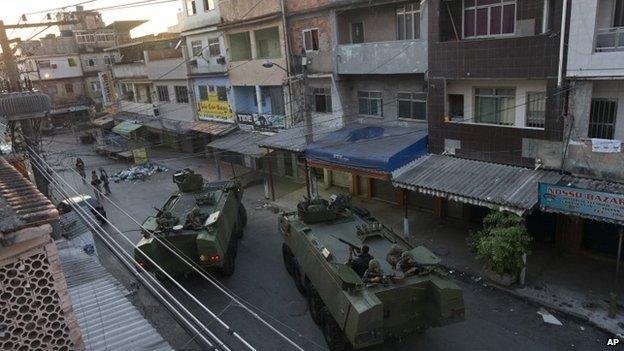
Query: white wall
x,y
210,65
62,70
583,61
466,87
201,19
613,89
166,69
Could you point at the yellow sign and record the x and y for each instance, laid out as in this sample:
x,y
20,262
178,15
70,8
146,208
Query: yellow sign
x,y
140,156
214,108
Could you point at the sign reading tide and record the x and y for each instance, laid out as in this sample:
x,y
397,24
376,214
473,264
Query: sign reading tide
x,y
582,202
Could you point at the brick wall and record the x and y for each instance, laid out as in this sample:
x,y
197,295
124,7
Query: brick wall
x,y
321,22
302,5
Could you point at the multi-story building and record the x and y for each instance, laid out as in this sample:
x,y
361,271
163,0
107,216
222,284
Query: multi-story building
x,y
207,70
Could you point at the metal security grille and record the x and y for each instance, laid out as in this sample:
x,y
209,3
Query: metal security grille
x,y
602,118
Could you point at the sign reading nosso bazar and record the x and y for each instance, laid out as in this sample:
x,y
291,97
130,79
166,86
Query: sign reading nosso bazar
x,y
582,202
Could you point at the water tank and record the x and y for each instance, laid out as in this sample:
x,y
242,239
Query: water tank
x,y
24,105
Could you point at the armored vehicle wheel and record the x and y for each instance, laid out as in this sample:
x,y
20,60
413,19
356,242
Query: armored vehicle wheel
x,y
333,334
297,276
316,305
229,262
288,259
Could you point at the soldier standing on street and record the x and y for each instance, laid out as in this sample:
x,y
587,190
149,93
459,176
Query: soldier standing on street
x,y
105,183
95,183
80,168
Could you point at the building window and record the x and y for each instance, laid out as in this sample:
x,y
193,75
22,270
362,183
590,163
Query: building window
x,y
221,93
44,64
412,106
408,22
456,106
536,109
268,43
91,62
196,48
602,116
163,93
190,8
203,92
69,88
181,93
311,39
370,103
214,48
109,60
95,86
240,46
209,5
357,32
495,106
322,100
71,62
489,17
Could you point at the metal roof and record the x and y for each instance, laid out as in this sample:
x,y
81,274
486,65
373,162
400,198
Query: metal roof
x,y
107,319
126,127
593,184
102,121
294,139
21,204
212,128
497,186
242,142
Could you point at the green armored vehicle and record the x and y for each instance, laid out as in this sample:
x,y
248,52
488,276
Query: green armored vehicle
x,y
400,291
201,221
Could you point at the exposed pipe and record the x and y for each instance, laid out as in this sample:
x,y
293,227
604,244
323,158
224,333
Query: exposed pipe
x,y
562,34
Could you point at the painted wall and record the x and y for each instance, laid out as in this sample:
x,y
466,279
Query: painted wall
x,y
214,81
202,18
166,69
59,67
586,16
236,10
206,64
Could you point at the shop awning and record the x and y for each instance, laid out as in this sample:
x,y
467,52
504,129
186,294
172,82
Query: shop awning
x,y
212,128
369,147
126,128
599,200
500,187
241,142
98,122
296,139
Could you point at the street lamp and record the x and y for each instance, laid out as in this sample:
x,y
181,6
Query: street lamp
x,y
270,64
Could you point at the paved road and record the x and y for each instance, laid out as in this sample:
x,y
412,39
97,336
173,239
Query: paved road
x,y
494,321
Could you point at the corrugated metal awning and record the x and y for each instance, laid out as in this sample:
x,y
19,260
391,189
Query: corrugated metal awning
x,y
294,139
497,186
212,128
125,128
242,142
102,121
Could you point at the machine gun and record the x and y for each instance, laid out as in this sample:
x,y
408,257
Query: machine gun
x,y
350,244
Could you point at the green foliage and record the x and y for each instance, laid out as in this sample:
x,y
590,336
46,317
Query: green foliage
x,y
502,242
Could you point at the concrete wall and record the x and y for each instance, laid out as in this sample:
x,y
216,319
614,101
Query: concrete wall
x,y
166,69
203,65
394,57
130,70
466,88
202,18
214,81
238,10
388,88
98,58
321,61
583,61
57,90
62,70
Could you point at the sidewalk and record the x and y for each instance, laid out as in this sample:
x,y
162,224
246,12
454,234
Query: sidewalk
x,y
573,285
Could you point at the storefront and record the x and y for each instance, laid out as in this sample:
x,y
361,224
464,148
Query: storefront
x,y
214,99
591,214
362,156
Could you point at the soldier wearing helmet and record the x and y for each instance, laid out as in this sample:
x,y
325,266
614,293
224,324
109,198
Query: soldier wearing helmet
x,y
373,274
406,264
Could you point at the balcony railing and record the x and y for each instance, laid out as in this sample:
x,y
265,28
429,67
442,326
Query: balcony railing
x,y
610,39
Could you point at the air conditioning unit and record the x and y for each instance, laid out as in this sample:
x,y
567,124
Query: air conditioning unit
x,y
54,66
221,60
193,63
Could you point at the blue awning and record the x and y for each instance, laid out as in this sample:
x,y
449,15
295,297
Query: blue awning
x,y
374,147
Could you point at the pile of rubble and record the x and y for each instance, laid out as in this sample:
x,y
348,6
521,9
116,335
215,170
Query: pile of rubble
x,y
140,172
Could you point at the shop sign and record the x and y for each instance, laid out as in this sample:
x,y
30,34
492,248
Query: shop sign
x,y
107,87
264,122
214,108
140,156
606,146
583,202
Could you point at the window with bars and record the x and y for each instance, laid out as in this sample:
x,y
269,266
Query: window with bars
x,y
602,117
322,99
190,8
408,22
412,106
311,39
209,5
214,48
203,92
370,103
181,94
484,18
196,48
536,109
163,93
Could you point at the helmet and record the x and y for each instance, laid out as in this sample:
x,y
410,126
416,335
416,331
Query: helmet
x,y
374,264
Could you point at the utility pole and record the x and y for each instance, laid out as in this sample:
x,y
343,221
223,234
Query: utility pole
x,y
30,137
311,185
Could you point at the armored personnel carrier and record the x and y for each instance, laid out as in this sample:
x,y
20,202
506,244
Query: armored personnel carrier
x,y
201,221
403,292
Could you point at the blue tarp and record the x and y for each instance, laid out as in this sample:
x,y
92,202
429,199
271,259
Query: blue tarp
x,y
370,146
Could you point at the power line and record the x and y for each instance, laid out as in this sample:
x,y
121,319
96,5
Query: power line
x,y
60,8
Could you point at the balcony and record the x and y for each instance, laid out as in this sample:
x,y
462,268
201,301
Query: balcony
x,y
130,70
390,57
610,39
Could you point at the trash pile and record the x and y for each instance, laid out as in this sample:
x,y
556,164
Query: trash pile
x,y
140,172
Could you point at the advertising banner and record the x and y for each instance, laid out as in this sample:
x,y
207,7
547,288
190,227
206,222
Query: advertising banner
x,y
215,109
582,202
140,156
108,90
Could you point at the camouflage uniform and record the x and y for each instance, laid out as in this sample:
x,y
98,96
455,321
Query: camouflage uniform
x,y
394,254
373,272
407,264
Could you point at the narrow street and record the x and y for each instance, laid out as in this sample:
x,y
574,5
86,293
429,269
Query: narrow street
x,y
493,319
